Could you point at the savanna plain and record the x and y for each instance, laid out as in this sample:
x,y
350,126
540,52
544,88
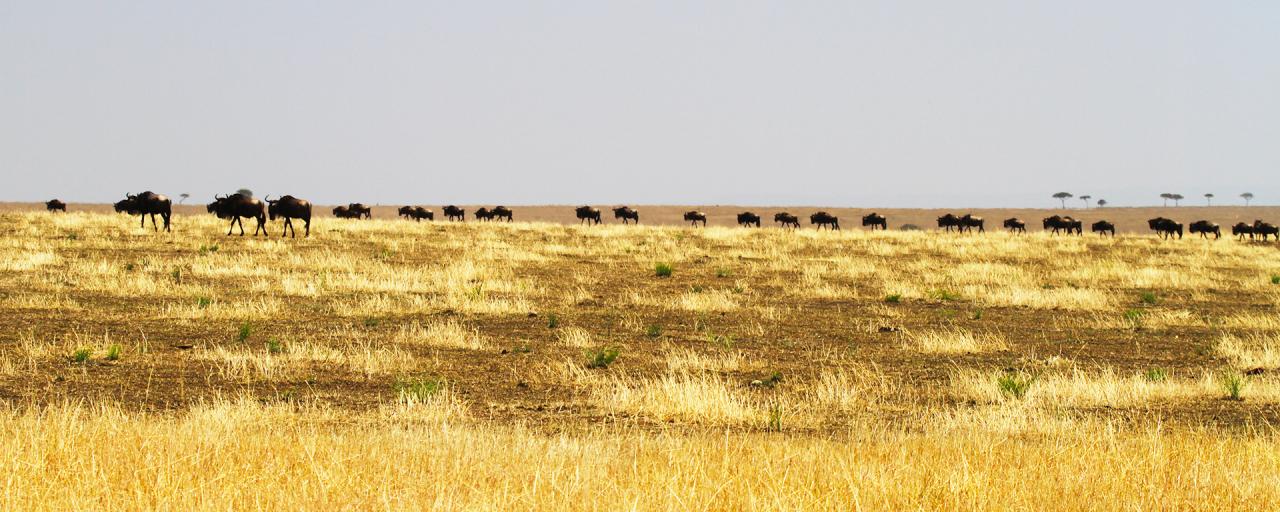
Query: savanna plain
x,y
400,365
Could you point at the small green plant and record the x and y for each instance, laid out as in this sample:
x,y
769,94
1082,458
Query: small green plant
x,y
946,295
1275,278
1156,375
1134,318
775,417
1149,298
81,355
663,269
245,331
205,249
113,352
371,322
553,321
274,347
601,357
977,315
72,236
1014,384
723,340
128,267
203,302
177,275
697,288
522,349
893,298
722,272
417,388
1233,383
653,331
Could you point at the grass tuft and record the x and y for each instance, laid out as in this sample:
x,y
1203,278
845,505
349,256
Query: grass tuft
x,y
113,352
663,269
1014,384
601,357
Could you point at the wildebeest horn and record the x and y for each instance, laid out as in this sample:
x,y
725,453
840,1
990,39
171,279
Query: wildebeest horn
x,y
267,199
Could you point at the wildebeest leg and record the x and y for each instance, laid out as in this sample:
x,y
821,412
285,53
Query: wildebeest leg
x,y
231,225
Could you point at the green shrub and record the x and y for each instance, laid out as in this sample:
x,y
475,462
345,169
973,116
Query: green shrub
x,y
1149,298
663,269
274,347
1014,384
245,331
893,298
553,321
653,331
723,272
1156,375
81,355
113,352
601,357
419,388
1275,279
203,302
946,295
1233,383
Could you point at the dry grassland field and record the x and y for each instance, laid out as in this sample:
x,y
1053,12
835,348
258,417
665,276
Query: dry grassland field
x,y
541,366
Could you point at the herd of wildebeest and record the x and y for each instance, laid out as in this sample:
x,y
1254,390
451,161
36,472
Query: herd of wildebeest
x,y
239,206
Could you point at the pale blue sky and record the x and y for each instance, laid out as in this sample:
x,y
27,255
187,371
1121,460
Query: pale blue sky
x,y
893,103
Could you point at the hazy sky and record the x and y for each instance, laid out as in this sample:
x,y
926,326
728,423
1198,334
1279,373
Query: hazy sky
x,y
844,103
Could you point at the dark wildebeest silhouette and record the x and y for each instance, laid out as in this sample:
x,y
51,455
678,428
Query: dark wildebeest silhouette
x,y
147,203
454,213
360,210
344,212
290,208
626,213
502,212
587,214
238,206
948,221
1066,225
746,219
1205,227
694,217
1241,229
1102,228
1265,229
874,219
55,205
1165,228
788,220
824,219
1015,224
968,222
417,213
483,214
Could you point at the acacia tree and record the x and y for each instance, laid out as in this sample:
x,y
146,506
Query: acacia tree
x,y
1176,198
1208,199
1086,199
245,192
1062,196
183,197
1166,196
1248,196
1102,202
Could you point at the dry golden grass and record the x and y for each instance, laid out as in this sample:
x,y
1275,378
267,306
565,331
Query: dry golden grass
x,y
399,365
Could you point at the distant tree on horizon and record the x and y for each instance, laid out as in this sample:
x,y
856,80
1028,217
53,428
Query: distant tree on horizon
x,y
1166,196
1208,199
1176,198
1248,196
1102,202
1062,196
183,197
1086,199
245,192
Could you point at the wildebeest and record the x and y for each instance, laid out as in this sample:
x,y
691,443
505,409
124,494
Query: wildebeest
x,y
1241,229
874,219
238,206
948,221
54,205
290,208
344,212
502,212
1103,227
454,213
1015,224
1165,228
1205,227
483,214
695,217
360,210
824,219
147,203
588,214
746,219
626,213
968,222
1065,224
1264,229
417,213
788,220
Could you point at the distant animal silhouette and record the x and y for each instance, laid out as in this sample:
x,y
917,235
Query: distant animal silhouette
x,y
344,212
874,219
1265,229
360,210
824,219
1015,224
147,203
238,206
1205,228
626,213
968,222
1165,228
695,217
454,213
747,219
55,205
417,213
1062,224
787,219
483,214
290,208
948,222
1241,229
587,214
502,212
1102,228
